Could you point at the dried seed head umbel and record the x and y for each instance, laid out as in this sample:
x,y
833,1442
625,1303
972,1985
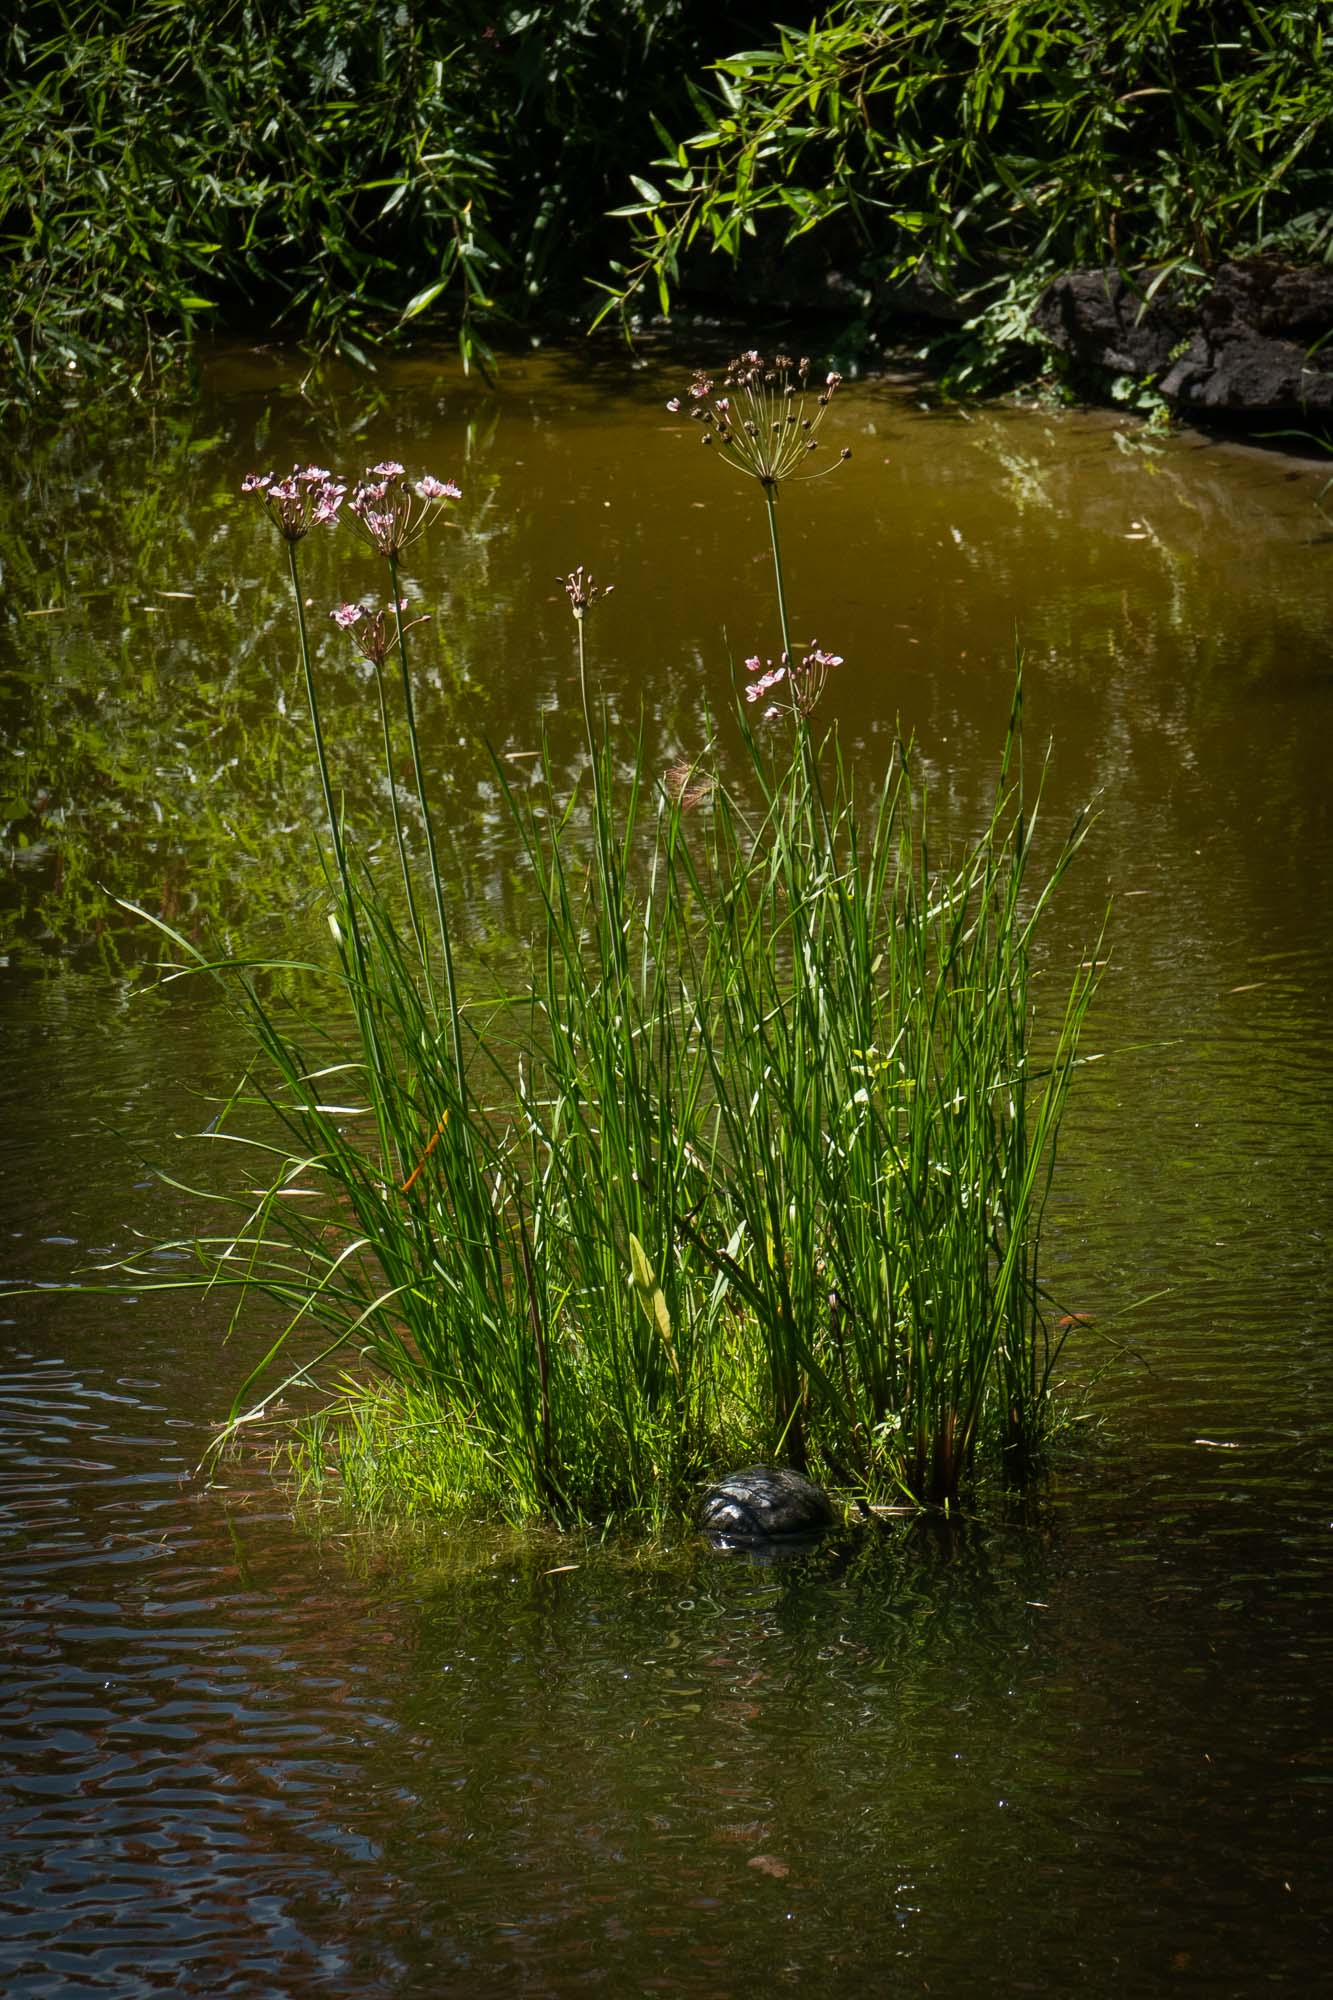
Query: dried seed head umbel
x,y
765,418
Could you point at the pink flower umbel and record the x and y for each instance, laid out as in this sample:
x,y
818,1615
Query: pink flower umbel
x,y
767,420
805,682
374,631
390,511
307,498
769,676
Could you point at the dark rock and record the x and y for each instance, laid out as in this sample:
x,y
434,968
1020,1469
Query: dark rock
x,y
918,296
1100,321
1283,302
762,1502
1248,345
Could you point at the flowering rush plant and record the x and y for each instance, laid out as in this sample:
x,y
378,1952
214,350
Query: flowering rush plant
x,y
390,512
764,421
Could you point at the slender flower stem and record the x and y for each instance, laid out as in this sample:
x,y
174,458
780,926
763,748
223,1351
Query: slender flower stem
x,y
321,758
361,987
598,802
815,789
397,821
445,943
771,502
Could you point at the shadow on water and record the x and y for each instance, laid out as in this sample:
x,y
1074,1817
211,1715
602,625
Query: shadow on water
x,y
1081,1748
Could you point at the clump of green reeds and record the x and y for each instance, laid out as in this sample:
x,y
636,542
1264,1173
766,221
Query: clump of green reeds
x,y
753,1162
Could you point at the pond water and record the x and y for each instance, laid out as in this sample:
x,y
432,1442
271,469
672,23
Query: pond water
x,y
1085,1746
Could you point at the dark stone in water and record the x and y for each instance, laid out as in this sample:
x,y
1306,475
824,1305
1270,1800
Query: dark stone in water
x,y
762,1502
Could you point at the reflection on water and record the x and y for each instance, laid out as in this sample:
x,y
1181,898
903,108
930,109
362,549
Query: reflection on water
x,y
1171,603
1082,1749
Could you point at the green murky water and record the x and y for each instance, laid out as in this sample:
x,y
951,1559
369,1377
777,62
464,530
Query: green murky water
x,y
1086,1749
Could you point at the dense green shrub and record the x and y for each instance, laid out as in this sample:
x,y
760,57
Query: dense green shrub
x,y
328,171
995,141
338,169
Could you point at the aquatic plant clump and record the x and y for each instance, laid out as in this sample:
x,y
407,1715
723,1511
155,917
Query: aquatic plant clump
x,y
752,1165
